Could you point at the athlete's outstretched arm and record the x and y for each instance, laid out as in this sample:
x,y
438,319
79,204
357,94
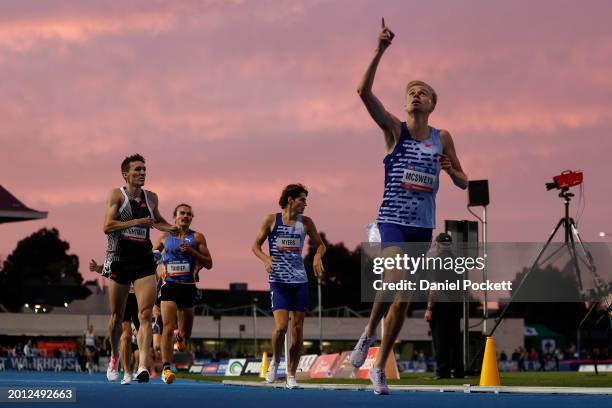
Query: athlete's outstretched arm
x,y
111,224
390,125
449,161
160,222
264,230
201,254
313,234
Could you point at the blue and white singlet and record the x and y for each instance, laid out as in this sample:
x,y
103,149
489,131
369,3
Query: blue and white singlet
x,y
412,172
285,245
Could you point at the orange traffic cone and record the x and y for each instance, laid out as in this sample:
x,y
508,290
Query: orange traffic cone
x,y
489,375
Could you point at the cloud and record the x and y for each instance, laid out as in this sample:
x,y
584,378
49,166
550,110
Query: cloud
x,y
230,101
29,25
21,35
225,194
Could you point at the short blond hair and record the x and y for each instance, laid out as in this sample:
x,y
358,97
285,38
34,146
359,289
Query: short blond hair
x,y
434,95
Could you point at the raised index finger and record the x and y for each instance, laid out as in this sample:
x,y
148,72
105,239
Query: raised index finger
x,y
383,24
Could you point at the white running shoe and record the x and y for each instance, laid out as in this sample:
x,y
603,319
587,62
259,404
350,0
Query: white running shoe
x,y
127,379
379,381
112,374
142,375
360,352
271,374
291,383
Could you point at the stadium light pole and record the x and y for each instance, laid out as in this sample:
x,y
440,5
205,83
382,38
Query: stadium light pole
x,y
478,196
485,272
217,317
255,327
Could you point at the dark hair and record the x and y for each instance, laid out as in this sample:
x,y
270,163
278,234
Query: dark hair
x,y
125,164
444,238
180,205
291,191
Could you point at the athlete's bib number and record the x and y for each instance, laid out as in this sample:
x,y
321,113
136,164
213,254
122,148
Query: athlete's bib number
x,y
288,244
135,233
178,269
419,179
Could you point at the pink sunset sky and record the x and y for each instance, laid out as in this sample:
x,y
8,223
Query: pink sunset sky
x,y
229,101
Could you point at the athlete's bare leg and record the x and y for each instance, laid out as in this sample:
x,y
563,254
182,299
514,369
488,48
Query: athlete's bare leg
x,y
297,342
144,289
185,318
126,347
393,324
380,307
168,310
117,294
89,355
136,355
281,323
157,338
151,361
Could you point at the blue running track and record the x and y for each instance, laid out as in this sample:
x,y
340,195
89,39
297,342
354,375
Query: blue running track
x,y
93,391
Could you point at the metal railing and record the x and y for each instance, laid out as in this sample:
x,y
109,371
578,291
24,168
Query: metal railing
x,y
247,310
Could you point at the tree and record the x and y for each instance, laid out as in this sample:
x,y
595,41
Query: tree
x,y
37,269
341,282
535,301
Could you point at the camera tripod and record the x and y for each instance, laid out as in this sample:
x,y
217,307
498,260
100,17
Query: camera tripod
x,y
573,242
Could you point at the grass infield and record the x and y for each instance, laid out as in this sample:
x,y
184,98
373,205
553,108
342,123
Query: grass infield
x,y
535,379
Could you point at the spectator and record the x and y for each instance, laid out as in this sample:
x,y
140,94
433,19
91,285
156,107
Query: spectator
x,y
522,359
27,349
558,356
444,310
81,360
543,359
